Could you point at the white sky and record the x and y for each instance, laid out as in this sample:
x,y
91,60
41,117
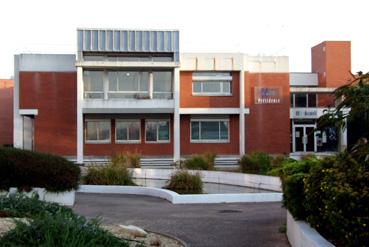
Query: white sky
x,y
267,27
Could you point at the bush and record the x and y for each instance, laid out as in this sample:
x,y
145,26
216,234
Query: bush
x,y
129,160
337,200
183,182
204,161
108,175
255,163
26,169
52,225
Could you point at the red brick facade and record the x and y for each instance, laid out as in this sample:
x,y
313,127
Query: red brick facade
x,y
6,112
267,125
54,95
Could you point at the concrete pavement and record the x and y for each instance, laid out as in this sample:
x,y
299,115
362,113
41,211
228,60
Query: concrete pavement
x,y
200,225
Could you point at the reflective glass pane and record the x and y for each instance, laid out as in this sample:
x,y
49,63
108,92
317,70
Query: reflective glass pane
x,y
162,81
196,87
128,80
224,130
151,131
195,130
300,100
144,81
311,100
104,130
211,87
134,131
163,131
113,81
226,87
93,80
121,129
210,130
91,131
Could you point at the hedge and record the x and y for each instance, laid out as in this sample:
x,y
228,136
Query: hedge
x,y
27,169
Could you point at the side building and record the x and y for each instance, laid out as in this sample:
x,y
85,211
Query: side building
x,y
133,91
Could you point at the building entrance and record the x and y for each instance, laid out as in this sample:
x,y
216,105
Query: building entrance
x,y
303,137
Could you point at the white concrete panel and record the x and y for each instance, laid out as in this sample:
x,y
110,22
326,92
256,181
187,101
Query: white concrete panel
x,y
304,79
47,62
300,234
211,110
125,104
17,118
33,112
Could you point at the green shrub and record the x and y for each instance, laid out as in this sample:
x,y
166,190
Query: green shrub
x,y
53,225
255,163
204,161
26,169
127,159
108,175
183,182
337,200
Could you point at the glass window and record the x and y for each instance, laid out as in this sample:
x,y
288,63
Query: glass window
x,y
157,131
128,84
162,81
203,130
128,130
311,100
98,131
93,84
300,100
211,83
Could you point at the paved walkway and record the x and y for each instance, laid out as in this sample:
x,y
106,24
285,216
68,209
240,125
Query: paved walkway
x,y
235,224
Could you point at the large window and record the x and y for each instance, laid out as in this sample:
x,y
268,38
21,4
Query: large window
x,y
128,131
128,84
209,130
303,100
162,81
93,84
98,131
157,131
211,83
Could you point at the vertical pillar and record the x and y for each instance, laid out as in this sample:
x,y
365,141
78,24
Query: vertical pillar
x,y
17,118
79,115
242,113
176,124
343,138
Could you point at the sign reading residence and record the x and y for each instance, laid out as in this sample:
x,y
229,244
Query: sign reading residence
x,y
268,95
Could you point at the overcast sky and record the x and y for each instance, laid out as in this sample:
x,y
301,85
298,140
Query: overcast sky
x,y
267,27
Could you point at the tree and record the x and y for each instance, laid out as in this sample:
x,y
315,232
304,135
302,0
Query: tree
x,y
352,107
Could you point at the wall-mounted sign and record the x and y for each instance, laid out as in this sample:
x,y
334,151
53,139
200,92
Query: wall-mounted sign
x,y
305,113
268,95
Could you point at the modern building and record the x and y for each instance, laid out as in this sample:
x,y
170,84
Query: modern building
x,y
6,112
132,90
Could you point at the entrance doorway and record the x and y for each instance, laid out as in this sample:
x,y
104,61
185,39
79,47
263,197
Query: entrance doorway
x,y
303,138
28,129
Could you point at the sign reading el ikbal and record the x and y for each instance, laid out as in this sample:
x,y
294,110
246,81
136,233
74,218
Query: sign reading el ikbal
x,y
268,95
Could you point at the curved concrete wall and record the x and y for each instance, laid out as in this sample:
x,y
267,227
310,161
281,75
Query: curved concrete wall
x,y
230,178
181,199
300,234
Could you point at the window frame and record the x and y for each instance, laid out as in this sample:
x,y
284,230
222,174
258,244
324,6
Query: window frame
x,y
127,141
157,131
210,141
97,141
213,79
86,93
135,94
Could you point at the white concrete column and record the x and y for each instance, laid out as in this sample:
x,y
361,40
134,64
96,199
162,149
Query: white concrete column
x,y
17,118
79,115
176,124
343,138
242,113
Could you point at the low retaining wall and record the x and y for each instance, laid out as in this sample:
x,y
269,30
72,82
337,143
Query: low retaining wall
x,y
63,198
175,198
230,178
300,234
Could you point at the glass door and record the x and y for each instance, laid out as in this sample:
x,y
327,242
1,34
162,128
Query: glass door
x,y
304,138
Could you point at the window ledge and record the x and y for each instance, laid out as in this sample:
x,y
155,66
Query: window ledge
x,y
211,94
157,142
210,141
97,142
127,142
